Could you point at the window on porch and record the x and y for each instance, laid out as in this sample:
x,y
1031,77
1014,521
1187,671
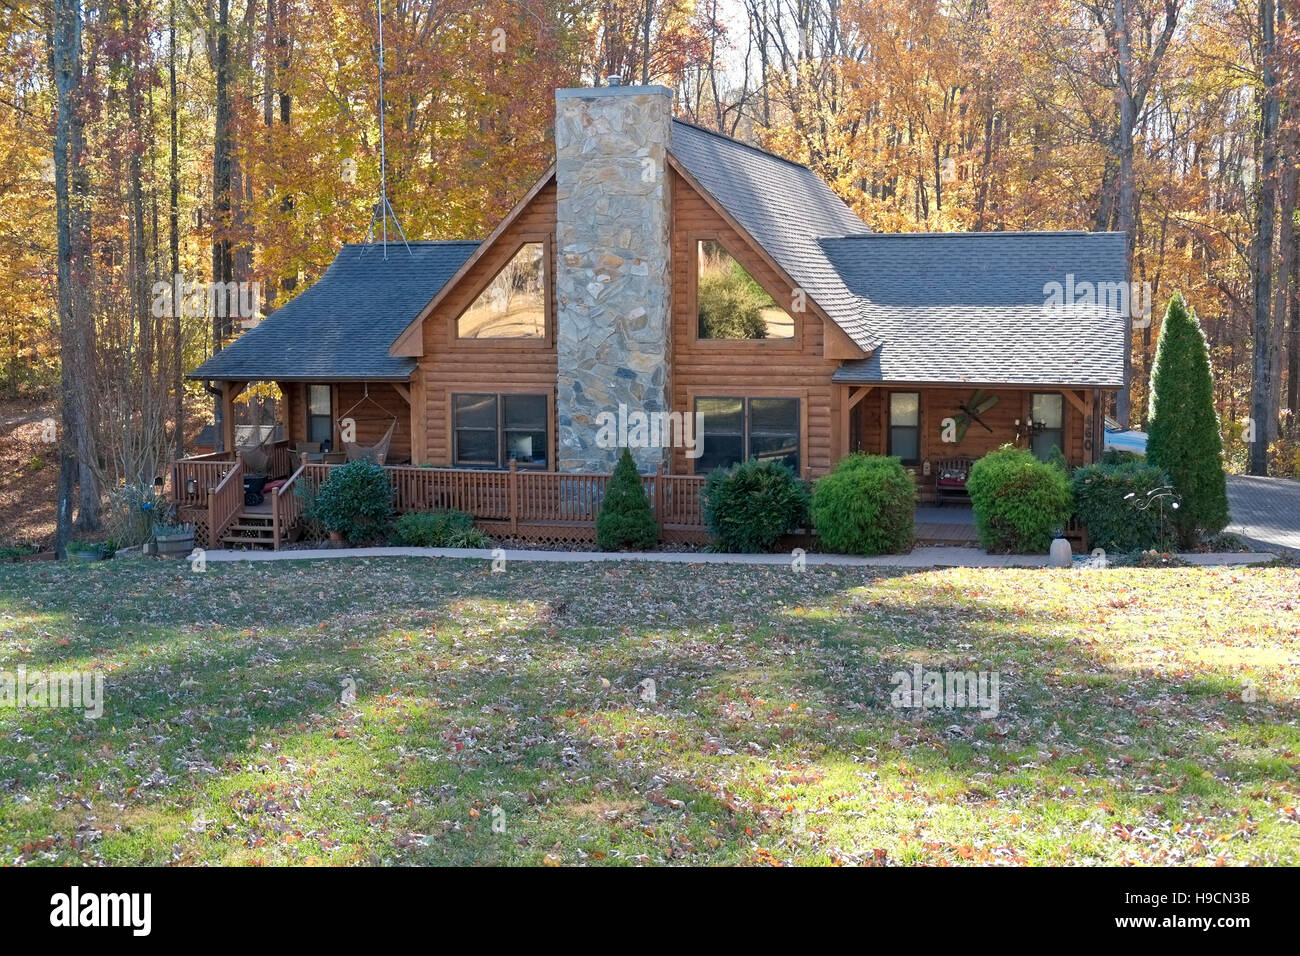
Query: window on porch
x,y
1047,411
320,413
905,426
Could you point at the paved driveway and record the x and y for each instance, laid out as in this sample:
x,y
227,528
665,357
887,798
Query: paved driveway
x,y
1265,511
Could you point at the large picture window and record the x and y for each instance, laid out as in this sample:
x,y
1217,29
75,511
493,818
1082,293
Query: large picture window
x,y
1047,409
730,302
490,431
737,429
905,426
320,414
513,306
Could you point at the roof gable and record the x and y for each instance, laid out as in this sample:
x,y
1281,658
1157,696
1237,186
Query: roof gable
x,y
785,208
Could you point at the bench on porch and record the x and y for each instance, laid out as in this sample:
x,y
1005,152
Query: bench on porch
x,y
950,476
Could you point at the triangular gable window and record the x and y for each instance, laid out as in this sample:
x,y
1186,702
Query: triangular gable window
x,y
730,302
513,306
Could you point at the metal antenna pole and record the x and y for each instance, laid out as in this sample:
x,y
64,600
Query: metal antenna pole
x,y
385,208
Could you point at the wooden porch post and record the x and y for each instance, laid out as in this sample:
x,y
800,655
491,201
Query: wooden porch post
x,y
275,521
846,421
852,396
512,482
229,391
659,497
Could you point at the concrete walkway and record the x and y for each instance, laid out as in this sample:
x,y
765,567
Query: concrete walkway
x,y
1265,512
950,525
941,557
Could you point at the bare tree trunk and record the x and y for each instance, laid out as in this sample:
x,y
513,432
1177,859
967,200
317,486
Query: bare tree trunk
x,y
65,63
645,42
223,265
1264,416
174,238
1127,197
1293,359
1284,295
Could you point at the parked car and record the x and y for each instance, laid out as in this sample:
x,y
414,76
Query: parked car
x,y
1124,439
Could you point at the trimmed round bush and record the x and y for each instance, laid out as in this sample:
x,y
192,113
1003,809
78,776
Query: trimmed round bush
x,y
749,506
1019,501
626,520
867,505
355,501
1115,521
438,529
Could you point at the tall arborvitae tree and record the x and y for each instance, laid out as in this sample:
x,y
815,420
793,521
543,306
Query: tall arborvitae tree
x,y
1183,433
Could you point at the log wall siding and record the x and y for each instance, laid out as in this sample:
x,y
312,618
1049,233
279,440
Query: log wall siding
x,y
765,368
371,423
774,367
451,365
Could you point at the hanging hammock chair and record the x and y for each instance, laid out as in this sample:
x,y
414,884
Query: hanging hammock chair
x,y
254,444
378,452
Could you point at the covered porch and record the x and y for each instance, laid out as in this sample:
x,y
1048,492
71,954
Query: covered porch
x,y
318,422
938,429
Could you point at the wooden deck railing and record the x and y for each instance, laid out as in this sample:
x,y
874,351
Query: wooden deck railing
x,y
193,478
286,507
225,502
523,501
208,470
517,501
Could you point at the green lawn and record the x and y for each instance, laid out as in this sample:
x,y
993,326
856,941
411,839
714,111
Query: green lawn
x,y
1122,735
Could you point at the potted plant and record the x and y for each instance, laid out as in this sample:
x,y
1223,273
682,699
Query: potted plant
x,y
173,539
83,550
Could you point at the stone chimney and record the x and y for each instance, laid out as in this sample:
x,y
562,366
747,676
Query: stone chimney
x,y
613,312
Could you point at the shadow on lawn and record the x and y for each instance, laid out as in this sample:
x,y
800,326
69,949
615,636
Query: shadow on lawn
x,y
560,723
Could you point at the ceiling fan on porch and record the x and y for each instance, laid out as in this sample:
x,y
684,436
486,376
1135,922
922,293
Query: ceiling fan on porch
x,y
971,410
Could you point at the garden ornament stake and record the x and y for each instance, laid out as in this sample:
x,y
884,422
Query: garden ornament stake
x,y
1154,496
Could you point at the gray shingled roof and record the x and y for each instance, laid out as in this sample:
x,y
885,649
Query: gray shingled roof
x,y
343,325
971,307
929,307
786,208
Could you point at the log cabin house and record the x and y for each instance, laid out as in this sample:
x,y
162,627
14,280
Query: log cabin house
x,y
661,267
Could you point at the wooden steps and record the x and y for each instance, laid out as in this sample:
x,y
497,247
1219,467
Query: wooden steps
x,y
250,530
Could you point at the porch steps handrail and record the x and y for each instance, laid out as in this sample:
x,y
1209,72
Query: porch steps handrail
x,y
225,502
284,516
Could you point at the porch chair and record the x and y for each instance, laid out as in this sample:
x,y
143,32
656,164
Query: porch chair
x,y
950,478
